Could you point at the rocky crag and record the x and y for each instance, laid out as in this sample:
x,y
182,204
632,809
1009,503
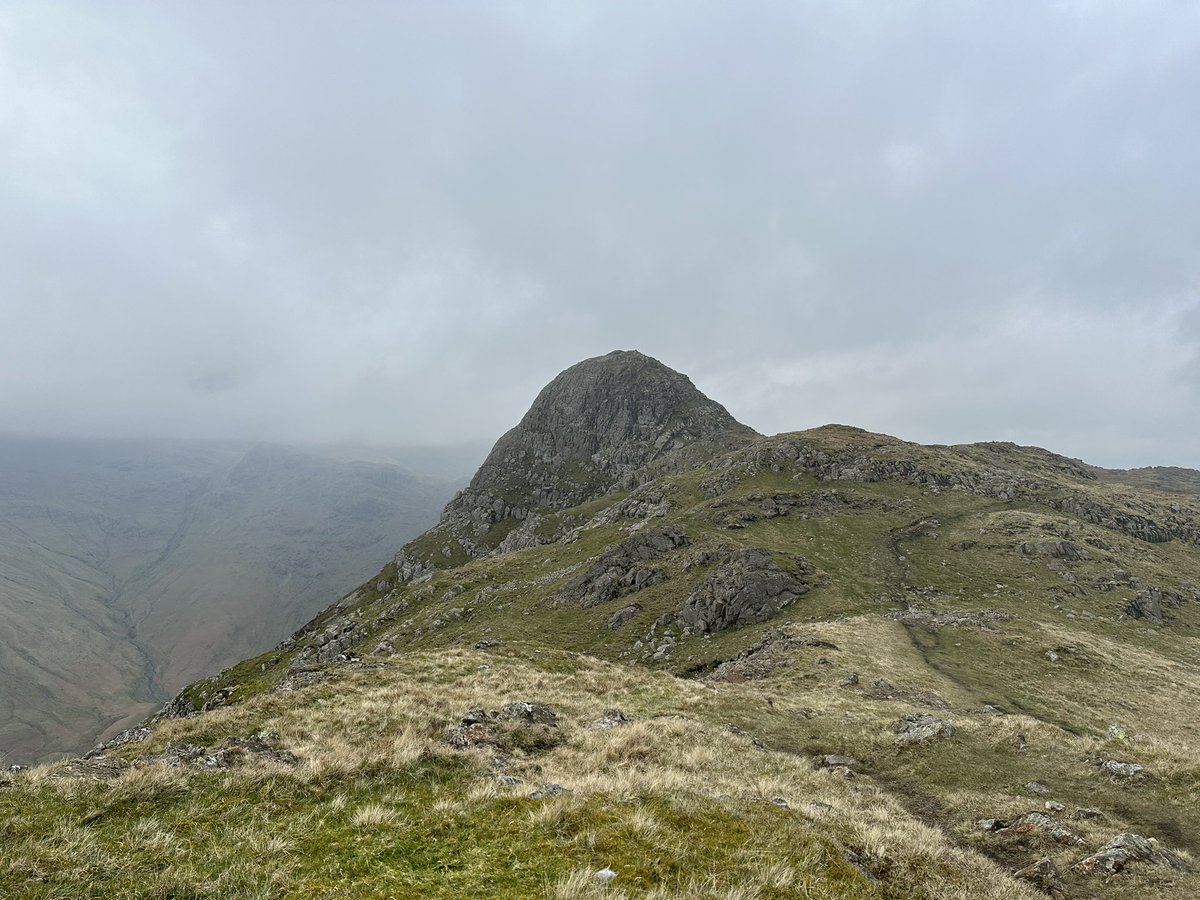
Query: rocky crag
x,y
605,424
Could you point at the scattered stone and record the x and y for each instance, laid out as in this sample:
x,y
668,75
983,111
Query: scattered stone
x,y
225,755
850,679
1054,806
775,650
529,711
1052,656
1034,822
1043,875
779,801
605,875
741,732
919,729
982,619
882,689
525,724
499,762
1117,732
1088,812
1037,787
233,751
300,679
549,790
963,545
128,736
818,808
1125,849
98,768
488,644
855,860
1122,769
611,718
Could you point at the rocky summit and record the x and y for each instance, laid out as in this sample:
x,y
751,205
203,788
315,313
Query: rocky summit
x,y
651,653
603,425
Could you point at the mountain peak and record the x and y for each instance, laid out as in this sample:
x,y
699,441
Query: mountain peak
x,y
604,424
593,426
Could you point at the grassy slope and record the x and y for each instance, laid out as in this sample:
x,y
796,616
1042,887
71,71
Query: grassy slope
x,y
381,807
372,736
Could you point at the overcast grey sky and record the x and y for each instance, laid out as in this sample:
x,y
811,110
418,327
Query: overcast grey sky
x,y
394,222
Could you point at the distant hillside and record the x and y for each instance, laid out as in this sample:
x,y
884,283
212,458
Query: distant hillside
x,y
1172,479
128,568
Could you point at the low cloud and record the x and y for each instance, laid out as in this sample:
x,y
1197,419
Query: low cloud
x,y
394,223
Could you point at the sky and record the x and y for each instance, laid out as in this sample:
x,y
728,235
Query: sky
x,y
393,222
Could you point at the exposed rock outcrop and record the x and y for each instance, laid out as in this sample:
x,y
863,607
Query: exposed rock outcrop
x,y
1034,823
1056,549
747,588
526,725
1042,874
623,569
1148,603
1125,849
923,728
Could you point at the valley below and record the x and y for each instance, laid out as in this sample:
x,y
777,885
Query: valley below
x,y
129,568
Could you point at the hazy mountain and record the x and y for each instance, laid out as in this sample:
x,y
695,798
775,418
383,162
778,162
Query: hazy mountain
x,y
1172,479
647,644
129,568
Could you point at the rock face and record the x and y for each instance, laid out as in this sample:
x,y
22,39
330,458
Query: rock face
x,y
624,569
605,418
605,424
749,587
1149,603
1055,549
